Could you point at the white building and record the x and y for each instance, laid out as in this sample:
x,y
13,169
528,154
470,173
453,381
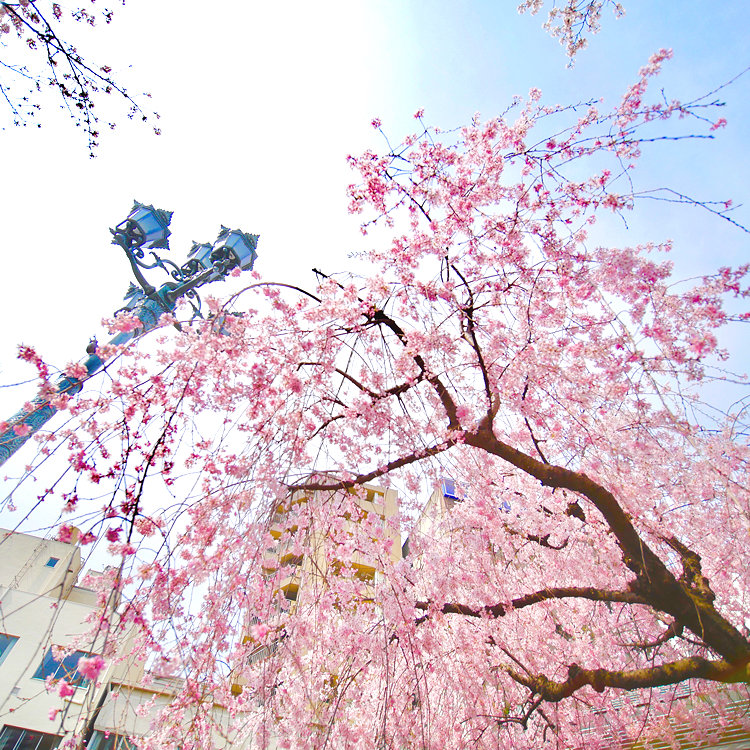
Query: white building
x,y
41,607
129,708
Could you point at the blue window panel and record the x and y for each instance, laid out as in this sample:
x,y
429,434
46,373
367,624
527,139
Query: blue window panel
x,y
109,741
17,738
449,489
64,670
52,562
6,644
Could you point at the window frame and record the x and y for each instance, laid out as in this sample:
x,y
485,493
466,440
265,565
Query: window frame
x,y
64,670
7,735
12,640
101,739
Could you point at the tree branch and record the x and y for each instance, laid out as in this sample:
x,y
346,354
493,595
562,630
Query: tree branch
x,y
674,630
560,592
599,679
468,311
374,395
397,463
378,317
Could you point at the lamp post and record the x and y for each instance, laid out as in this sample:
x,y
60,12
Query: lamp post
x,y
145,228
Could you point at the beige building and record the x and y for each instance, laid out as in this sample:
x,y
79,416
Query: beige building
x,y
310,547
43,633
314,545
41,607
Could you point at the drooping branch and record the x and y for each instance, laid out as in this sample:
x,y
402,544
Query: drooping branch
x,y
674,630
79,83
543,540
398,463
573,20
528,426
468,310
395,390
630,679
133,505
655,582
559,592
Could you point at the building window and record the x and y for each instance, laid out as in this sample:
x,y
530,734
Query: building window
x,y
109,741
52,562
16,738
67,670
449,489
6,644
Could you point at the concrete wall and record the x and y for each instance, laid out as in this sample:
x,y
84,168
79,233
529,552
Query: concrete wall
x,y
24,564
41,606
129,710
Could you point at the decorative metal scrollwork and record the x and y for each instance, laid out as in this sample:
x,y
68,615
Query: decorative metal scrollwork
x,y
145,227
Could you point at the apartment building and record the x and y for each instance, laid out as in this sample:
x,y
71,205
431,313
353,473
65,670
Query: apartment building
x,y
313,547
46,619
309,548
45,607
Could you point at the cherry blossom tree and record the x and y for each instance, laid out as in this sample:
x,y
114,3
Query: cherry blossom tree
x,y
573,21
595,568
37,53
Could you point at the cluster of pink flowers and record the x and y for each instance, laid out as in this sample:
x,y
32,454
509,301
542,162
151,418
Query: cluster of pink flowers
x,y
91,667
552,380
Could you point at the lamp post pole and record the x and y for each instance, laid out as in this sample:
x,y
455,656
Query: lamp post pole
x,y
146,228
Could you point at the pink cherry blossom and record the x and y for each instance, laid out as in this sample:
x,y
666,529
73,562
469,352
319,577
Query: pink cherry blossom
x,y
113,535
90,667
76,370
259,632
65,689
126,322
575,498
65,533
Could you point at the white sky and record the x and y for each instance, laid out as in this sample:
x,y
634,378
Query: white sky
x,y
261,102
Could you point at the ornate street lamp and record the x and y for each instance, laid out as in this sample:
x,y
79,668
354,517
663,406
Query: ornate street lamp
x,y
145,228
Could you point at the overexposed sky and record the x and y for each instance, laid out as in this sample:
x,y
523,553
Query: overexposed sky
x,y
260,104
